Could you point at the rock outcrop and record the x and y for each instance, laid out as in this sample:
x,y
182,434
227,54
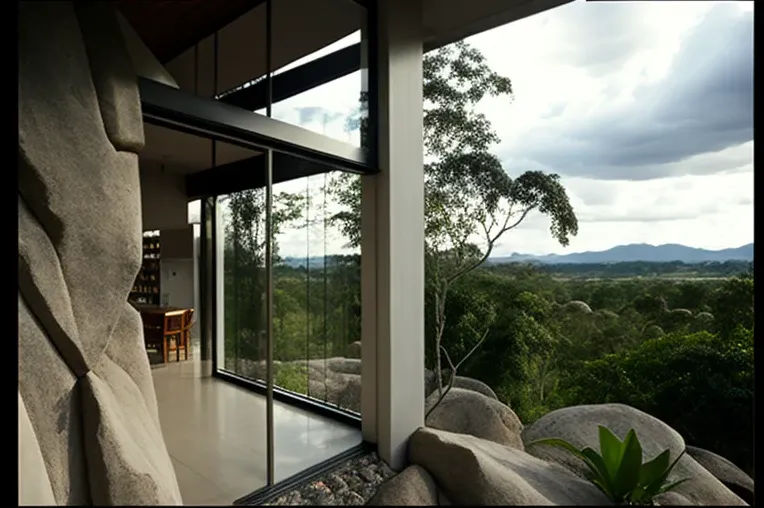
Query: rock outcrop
x,y
475,471
579,426
337,380
412,487
725,471
466,460
468,383
467,412
353,350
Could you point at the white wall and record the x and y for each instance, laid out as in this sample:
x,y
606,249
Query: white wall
x,y
178,282
180,269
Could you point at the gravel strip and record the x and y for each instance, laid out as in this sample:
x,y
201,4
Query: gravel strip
x,y
352,483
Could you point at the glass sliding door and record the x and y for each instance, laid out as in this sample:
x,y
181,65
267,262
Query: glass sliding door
x,y
243,303
244,326
288,280
317,317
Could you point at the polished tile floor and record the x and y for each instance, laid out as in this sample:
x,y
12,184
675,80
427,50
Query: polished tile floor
x,y
215,434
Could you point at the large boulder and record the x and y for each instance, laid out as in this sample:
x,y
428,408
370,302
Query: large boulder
x,y
412,487
431,385
341,389
725,471
345,365
349,396
430,382
579,426
671,498
468,412
475,471
578,306
353,350
476,386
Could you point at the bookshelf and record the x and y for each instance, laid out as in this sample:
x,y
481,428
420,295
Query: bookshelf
x,y
147,289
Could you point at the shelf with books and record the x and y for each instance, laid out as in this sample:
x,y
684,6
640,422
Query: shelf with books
x,y
146,289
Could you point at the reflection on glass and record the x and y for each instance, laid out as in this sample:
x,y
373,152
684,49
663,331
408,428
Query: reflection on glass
x,y
330,109
317,319
195,212
331,106
243,227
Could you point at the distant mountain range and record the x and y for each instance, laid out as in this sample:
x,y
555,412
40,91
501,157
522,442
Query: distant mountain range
x,y
619,254
638,252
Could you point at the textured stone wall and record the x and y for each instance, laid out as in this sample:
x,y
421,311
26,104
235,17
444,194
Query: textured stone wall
x,y
89,430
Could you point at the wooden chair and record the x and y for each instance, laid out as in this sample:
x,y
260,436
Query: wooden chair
x,y
187,325
174,326
153,334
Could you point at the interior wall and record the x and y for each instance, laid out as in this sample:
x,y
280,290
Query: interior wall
x,y
179,268
177,243
178,282
163,198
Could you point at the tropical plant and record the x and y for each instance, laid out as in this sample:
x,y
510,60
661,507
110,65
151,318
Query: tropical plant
x,y
618,470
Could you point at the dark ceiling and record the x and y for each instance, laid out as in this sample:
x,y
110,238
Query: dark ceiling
x,y
169,27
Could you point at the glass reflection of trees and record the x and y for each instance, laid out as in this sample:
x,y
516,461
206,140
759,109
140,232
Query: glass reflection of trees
x,y
244,286
316,293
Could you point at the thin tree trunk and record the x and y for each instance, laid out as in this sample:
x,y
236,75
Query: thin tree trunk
x,y
543,380
440,326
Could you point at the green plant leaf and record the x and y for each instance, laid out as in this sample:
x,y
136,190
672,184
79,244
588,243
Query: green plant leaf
x,y
639,496
604,489
633,481
596,459
657,486
654,469
559,443
627,478
611,449
672,485
599,470
591,458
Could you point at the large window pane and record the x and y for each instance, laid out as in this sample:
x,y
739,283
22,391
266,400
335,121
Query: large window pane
x,y
319,78
242,226
332,106
316,296
318,70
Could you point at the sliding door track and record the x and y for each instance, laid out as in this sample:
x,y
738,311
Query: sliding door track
x,y
269,493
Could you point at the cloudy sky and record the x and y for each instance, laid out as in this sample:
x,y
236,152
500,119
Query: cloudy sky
x,y
645,109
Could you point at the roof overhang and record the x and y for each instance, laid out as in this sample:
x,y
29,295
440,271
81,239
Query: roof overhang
x,y
173,29
299,28
448,21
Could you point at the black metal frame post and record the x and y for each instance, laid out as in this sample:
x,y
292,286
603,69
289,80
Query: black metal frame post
x,y
270,437
175,109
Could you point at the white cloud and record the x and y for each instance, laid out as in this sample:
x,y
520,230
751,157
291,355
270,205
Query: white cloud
x,y
586,73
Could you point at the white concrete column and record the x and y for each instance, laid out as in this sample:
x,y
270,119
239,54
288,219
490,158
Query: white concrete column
x,y
393,241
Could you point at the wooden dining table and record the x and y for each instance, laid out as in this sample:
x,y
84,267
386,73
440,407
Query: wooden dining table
x,y
161,324
161,310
